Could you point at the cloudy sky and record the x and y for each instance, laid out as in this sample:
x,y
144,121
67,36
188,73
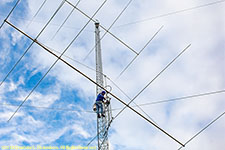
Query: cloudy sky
x,y
58,112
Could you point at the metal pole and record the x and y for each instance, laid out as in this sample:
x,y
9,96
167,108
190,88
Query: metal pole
x,y
101,122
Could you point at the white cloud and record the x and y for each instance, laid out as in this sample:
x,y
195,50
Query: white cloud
x,y
5,1
37,99
8,112
16,37
78,130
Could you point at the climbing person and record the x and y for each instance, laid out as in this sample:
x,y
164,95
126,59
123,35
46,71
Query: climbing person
x,y
99,104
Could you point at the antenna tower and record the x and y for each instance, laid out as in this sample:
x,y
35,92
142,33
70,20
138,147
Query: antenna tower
x,y
103,122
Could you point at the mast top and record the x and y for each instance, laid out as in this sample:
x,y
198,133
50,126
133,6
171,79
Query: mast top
x,y
97,24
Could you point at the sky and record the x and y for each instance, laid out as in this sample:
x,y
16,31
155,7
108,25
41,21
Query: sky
x,y
59,111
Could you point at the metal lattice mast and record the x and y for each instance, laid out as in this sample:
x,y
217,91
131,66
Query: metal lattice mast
x,y
98,59
102,123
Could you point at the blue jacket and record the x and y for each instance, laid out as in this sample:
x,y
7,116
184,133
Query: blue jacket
x,y
100,97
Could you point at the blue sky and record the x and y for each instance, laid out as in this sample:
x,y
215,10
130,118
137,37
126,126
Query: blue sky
x,y
62,102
